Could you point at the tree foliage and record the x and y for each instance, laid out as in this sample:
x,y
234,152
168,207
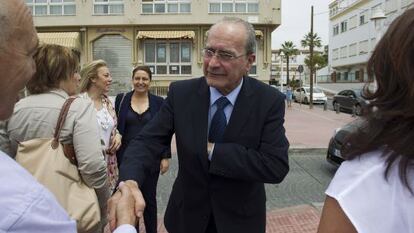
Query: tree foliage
x,y
288,49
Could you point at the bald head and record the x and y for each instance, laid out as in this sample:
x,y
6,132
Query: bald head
x,y
18,43
4,23
250,39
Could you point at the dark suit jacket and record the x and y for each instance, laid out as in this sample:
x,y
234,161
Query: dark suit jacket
x,y
231,186
155,103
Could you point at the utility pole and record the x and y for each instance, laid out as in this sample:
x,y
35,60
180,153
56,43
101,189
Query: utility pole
x,y
311,61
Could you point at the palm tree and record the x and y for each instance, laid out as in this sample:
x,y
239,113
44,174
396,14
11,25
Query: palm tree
x,y
288,49
311,40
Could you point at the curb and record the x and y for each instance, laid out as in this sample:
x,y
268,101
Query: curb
x,y
299,150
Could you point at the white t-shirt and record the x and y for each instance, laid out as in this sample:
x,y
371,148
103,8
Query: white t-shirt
x,y
372,203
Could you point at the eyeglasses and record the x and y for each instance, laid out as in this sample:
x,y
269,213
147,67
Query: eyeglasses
x,y
220,54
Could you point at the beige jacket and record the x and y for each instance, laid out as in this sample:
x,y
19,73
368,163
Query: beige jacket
x,y
35,117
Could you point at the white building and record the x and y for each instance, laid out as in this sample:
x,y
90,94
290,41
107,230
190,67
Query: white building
x,y
167,35
353,35
278,68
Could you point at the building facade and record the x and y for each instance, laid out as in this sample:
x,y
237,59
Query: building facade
x,y
353,34
167,35
278,68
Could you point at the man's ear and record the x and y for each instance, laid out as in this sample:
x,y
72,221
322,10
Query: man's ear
x,y
251,58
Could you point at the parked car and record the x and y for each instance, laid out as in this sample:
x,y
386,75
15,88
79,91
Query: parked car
x,y
334,154
302,95
349,100
276,87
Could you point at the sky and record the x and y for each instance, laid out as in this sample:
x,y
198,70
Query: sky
x,y
296,21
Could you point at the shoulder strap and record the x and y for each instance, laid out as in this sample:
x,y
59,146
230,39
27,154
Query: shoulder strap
x,y
120,105
61,120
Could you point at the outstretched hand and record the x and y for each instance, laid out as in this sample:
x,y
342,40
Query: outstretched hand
x,y
126,201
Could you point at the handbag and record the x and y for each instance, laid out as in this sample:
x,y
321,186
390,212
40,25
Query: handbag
x,y
46,160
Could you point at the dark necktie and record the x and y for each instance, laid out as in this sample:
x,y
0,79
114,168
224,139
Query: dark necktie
x,y
219,122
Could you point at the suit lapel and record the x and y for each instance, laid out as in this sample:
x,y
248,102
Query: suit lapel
x,y
200,107
241,110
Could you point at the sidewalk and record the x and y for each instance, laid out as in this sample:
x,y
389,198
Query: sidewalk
x,y
312,128
298,219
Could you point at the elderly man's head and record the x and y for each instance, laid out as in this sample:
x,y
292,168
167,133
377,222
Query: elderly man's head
x,y
229,53
18,43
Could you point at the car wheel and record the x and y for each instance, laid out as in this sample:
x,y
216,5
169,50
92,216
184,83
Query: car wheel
x,y
358,110
306,100
335,106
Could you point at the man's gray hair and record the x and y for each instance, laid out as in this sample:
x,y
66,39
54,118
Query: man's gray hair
x,y
250,37
5,27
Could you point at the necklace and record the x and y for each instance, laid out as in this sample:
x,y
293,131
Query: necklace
x,y
104,118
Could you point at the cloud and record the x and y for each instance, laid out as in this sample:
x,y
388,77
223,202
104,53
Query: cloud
x,y
296,21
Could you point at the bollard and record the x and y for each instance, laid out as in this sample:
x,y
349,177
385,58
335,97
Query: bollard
x,y
337,107
325,105
354,111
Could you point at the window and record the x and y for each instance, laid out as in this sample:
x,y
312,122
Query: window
x,y
108,7
390,6
166,6
336,30
376,8
352,49
168,57
343,52
52,7
373,44
344,26
234,6
405,3
353,22
335,54
363,16
363,47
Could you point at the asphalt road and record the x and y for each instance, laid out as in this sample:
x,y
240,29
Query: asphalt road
x,y
306,182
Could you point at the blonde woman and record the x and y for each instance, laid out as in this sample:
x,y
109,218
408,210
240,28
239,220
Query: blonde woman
x,y
95,83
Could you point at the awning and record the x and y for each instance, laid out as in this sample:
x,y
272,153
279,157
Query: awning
x,y
67,39
166,34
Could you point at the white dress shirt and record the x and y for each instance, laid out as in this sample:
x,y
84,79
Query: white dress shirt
x,y
27,206
214,95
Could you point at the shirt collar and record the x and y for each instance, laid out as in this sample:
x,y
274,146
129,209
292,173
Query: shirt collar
x,y
232,96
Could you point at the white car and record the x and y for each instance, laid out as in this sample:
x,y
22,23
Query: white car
x,y
302,95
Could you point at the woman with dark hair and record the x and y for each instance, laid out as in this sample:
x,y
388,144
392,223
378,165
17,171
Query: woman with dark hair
x,y
135,109
373,191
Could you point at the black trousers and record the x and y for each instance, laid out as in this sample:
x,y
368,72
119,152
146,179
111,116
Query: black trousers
x,y
211,227
149,192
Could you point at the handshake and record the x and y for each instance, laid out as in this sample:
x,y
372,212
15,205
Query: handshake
x,y
126,206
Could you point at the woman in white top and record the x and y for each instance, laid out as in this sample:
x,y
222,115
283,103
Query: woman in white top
x,y
373,191
95,83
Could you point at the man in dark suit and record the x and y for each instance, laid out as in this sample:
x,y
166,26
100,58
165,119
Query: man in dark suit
x,y
227,148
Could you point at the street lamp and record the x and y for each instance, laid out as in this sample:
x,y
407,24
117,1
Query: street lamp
x,y
378,17
281,71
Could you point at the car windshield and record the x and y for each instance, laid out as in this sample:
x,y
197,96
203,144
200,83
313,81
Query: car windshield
x,y
358,92
315,90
